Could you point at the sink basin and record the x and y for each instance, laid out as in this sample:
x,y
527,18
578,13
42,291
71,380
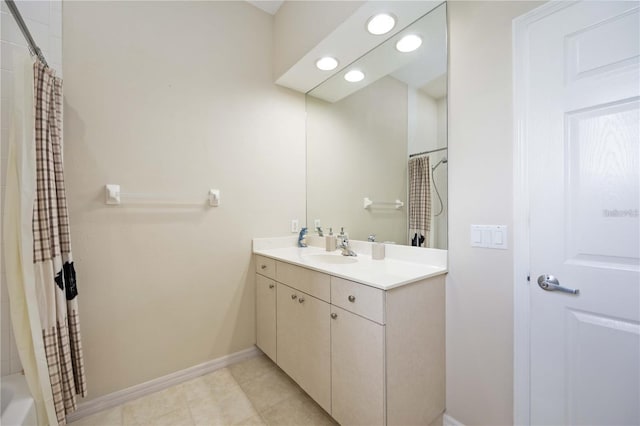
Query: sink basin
x,y
335,259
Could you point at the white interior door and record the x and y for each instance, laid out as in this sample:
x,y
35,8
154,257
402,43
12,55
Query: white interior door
x,y
582,132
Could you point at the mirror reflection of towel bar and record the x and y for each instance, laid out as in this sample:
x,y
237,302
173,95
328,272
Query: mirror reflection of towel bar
x,y
368,203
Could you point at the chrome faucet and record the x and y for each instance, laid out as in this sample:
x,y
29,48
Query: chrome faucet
x,y
343,244
372,238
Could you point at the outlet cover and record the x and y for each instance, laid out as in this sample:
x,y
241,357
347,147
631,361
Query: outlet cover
x,y
295,226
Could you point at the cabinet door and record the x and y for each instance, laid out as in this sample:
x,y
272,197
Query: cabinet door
x,y
303,336
315,349
266,315
357,369
288,331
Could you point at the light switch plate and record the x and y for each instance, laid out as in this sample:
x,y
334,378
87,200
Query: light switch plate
x,y
499,237
489,236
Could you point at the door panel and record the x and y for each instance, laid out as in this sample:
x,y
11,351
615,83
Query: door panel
x,y
601,350
603,185
603,47
582,121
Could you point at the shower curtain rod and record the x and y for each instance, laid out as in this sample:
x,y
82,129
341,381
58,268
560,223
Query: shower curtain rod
x,y
33,47
427,152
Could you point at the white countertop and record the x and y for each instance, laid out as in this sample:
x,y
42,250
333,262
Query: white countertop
x,y
383,274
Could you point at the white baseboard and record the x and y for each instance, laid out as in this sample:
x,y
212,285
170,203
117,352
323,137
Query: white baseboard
x,y
134,392
447,420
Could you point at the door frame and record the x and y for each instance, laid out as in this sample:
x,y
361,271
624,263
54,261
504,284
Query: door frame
x,y
521,267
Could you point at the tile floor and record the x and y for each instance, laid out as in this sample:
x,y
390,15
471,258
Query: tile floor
x,y
252,392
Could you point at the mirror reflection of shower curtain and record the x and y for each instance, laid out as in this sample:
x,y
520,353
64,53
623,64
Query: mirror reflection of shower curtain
x,y
419,201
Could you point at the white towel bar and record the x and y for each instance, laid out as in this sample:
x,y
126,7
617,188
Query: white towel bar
x,y
368,203
114,196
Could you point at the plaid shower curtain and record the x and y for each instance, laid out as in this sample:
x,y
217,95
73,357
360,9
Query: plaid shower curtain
x,y
53,262
419,201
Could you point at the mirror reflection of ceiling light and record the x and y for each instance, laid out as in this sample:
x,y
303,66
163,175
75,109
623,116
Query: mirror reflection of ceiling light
x,y
354,76
327,63
408,43
381,23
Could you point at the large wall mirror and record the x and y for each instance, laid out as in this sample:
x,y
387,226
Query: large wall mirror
x,y
377,149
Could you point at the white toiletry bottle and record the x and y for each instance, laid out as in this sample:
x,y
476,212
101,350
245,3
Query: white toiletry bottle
x,y
330,241
377,251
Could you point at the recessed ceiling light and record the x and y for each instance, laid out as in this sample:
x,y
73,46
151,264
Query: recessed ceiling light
x,y
381,23
327,63
408,43
354,76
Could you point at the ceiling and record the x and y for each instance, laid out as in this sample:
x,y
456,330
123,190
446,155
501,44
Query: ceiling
x,y
269,6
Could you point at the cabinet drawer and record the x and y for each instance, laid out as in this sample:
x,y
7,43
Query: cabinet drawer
x,y
266,266
311,282
358,298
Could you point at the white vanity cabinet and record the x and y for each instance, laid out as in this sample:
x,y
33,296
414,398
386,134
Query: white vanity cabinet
x,y
368,356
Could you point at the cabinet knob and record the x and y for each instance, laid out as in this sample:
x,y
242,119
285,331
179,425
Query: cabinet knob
x,y
263,267
272,285
352,298
294,296
334,315
301,300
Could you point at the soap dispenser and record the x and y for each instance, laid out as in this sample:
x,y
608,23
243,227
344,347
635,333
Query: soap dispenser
x,y
330,241
302,238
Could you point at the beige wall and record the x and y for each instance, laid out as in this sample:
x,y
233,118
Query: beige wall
x,y
441,105
423,122
357,148
480,285
173,98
